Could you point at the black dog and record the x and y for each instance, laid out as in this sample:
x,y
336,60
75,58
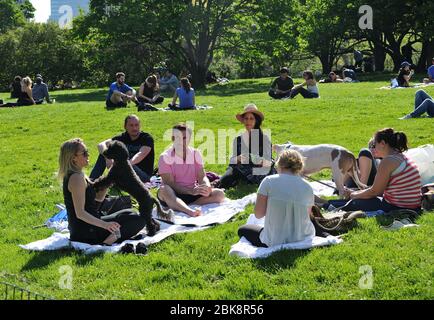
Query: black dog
x,y
123,176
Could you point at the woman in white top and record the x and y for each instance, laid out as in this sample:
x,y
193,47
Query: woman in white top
x,y
312,89
285,200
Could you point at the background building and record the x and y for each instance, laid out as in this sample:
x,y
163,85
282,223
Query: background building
x,y
63,11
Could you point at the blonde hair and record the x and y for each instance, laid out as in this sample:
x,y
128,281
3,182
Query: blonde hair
x,y
292,160
68,150
26,82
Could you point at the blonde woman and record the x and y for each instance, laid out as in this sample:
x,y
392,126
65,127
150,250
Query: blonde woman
x,y
25,97
81,201
285,200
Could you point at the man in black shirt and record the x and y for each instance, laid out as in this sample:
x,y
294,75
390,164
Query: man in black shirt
x,y
281,86
140,146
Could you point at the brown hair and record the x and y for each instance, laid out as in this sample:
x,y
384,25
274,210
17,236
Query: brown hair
x,y
130,116
309,74
182,127
292,160
186,84
395,139
152,79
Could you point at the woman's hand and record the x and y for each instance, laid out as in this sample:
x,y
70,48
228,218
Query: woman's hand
x,y
242,159
112,226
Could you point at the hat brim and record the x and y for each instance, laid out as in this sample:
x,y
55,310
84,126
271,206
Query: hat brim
x,y
240,116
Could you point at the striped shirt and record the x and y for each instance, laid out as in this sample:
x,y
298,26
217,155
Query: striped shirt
x,y
404,188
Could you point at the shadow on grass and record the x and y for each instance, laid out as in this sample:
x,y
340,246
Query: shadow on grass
x,y
97,95
43,259
284,259
233,89
241,191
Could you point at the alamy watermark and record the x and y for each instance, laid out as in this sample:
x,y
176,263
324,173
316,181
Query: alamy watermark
x,y
366,21
366,282
66,277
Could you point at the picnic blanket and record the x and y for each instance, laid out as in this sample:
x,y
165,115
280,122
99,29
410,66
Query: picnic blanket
x,y
245,249
204,107
211,214
322,190
417,85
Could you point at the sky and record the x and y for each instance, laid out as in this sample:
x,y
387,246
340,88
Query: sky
x,y
42,8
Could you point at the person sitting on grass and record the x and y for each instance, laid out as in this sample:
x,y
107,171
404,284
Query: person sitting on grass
x,y
251,159
184,181
25,96
423,103
140,147
169,82
281,86
285,200
40,91
430,78
149,94
311,91
120,94
16,87
332,78
397,184
186,97
404,75
82,202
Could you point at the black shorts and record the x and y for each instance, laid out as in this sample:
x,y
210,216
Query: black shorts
x,y
187,198
109,104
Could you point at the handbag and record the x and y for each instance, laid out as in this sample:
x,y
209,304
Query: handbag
x,y
335,225
114,204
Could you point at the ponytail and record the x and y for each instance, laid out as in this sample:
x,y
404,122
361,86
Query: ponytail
x,y
186,84
395,139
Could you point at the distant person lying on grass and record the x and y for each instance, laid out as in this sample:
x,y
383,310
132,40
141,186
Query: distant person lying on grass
x,y
281,86
430,78
332,77
81,201
311,91
285,200
140,146
25,95
120,94
423,103
183,176
397,184
186,96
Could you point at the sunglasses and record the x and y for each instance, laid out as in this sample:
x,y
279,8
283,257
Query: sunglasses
x,y
85,153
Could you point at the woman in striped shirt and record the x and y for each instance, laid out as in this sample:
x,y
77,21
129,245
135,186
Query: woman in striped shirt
x,y
398,181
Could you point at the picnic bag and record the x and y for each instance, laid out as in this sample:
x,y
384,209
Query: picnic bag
x,y
335,225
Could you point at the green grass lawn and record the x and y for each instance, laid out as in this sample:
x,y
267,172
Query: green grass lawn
x,y
197,265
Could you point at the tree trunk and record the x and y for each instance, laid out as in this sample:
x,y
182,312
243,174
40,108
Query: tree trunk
x,y
426,55
325,62
379,56
198,74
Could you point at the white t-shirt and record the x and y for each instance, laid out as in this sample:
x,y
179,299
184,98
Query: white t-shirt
x,y
287,219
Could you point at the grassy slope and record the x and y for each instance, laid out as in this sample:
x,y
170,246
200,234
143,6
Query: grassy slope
x,y
197,266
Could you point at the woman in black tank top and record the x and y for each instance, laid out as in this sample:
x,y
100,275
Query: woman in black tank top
x,y
25,97
84,220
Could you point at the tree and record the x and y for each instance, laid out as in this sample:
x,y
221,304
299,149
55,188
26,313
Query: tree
x,y
324,28
13,14
188,31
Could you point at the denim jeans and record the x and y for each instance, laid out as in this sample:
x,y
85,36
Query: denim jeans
x,y
305,93
423,103
100,167
373,204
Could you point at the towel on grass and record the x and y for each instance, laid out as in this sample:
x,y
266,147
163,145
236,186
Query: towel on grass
x,y
204,107
322,190
211,214
245,249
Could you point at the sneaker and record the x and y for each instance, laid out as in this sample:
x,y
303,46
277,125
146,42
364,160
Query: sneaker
x,y
396,225
141,249
408,223
408,116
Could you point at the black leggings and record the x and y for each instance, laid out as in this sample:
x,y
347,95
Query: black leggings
x,y
131,224
230,179
305,93
16,104
251,232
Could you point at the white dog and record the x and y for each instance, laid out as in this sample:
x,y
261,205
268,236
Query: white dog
x,y
317,157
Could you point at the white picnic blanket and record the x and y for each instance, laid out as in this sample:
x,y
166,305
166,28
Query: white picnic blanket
x,y
322,190
245,249
211,214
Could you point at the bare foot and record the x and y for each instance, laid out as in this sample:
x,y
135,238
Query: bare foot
x,y
196,213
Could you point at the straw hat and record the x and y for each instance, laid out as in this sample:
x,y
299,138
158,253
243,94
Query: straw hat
x,y
252,109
